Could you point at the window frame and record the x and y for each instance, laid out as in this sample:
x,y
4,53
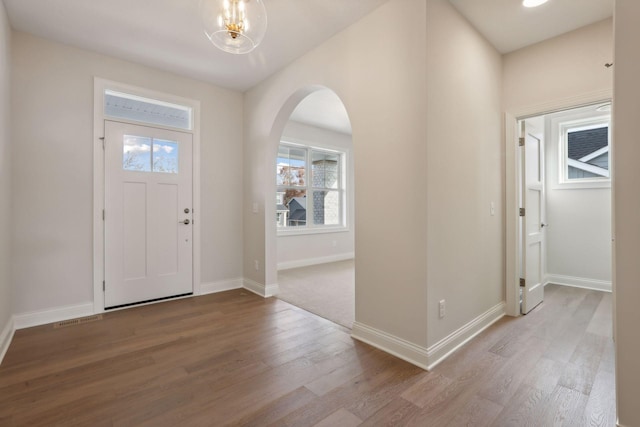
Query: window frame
x,y
568,126
310,227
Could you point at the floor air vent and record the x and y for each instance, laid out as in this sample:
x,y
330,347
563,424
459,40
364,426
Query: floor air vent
x,y
79,321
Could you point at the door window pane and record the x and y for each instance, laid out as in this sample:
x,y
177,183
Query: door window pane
x,y
136,153
165,156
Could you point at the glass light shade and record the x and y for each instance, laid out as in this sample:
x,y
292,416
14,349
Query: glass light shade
x,y
235,26
533,3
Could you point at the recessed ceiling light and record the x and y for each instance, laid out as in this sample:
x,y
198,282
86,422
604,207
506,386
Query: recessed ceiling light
x,y
533,3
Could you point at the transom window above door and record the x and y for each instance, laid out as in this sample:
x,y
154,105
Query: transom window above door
x,y
136,108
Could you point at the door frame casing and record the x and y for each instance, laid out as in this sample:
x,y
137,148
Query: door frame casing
x,y
512,176
100,85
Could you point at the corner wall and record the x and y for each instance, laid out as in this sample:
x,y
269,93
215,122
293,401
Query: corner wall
x,y
559,69
465,175
626,152
578,218
52,159
6,306
380,77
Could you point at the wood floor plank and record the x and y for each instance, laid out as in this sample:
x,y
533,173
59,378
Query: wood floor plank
x,y
342,418
237,359
477,412
600,408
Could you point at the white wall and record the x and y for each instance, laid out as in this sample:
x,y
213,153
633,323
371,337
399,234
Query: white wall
x,y
438,121
380,77
560,73
52,110
6,310
297,250
465,170
559,69
579,232
626,151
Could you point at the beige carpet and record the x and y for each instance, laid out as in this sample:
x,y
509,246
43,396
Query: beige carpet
x,y
327,290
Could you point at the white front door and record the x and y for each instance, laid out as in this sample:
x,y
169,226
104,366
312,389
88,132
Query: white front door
x,y
532,226
148,214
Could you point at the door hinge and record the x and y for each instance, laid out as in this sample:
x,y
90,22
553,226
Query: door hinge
x,y
102,139
103,214
522,211
103,286
521,141
522,282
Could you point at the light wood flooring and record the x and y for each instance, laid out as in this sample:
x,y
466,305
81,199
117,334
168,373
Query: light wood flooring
x,y
236,359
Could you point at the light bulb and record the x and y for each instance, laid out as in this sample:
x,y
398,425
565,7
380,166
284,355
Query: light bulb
x,y
533,3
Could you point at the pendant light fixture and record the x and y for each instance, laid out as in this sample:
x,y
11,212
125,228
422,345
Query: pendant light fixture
x,y
235,26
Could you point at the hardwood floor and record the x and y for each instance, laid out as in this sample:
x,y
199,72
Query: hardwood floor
x,y
237,359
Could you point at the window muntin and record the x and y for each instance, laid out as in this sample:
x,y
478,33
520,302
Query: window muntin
x,y
585,151
309,199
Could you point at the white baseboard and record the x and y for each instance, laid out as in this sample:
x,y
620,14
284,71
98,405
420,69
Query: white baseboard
x,y
578,282
37,318
5,337
220,286
443,348
260,289
287,265
427,358
391,344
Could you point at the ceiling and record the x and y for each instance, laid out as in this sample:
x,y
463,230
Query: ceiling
x,y
167,34
323,109
510,26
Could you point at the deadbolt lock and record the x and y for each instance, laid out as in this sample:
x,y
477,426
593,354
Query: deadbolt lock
x,y
186,210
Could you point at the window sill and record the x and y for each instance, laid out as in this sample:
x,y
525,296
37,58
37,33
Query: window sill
x,y
324,230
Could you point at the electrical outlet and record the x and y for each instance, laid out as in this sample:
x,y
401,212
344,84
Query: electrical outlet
x,y
442,308
256,265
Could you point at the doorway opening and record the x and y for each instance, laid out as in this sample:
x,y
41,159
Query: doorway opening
x,y
564,202
314,209
146,196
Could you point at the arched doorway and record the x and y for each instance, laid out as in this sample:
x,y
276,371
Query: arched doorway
x,y
314,236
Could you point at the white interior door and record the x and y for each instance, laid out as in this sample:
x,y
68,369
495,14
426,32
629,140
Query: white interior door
x,y
532,225
148,214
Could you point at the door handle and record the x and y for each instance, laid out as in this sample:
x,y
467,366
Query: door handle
x,y
543,225
185,222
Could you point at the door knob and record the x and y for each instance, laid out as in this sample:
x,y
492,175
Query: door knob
x,y
185,222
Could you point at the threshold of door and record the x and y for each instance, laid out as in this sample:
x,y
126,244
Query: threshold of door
x,y
148,301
